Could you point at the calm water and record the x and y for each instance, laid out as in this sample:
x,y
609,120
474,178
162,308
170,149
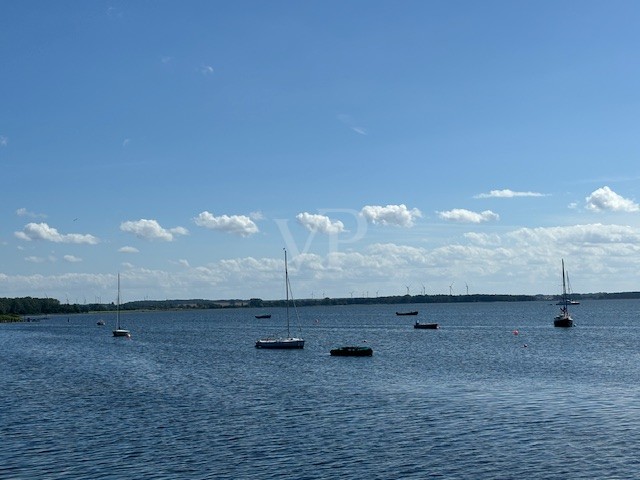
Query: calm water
x,y
189,397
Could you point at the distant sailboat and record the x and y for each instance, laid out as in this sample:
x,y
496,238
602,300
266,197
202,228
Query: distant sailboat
x,y
288,341
563,319
119,331
568,300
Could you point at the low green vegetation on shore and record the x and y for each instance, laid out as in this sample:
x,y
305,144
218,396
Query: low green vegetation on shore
x,y
9,318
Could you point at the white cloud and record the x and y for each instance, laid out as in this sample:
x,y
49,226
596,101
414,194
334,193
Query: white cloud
x,y
23,212
72,259
128,249
236,224
34,259
605,199
151,230
4,141
42,231
320,223
467,216
483,239
506,193
578,235
398,215
206,70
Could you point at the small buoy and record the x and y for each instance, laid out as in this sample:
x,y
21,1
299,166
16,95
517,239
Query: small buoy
x,y
516,332
525,345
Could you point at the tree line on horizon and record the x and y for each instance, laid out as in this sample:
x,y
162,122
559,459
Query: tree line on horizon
x,y
50,306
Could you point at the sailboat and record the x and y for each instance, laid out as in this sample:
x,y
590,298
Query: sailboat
x,y
563,319
288,341
568,300
119,331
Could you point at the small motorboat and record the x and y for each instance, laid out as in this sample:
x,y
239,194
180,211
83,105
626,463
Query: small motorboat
x,y
352,351
431,326
415,312
101,323
264,315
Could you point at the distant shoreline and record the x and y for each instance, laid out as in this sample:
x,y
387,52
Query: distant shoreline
x,y
40,306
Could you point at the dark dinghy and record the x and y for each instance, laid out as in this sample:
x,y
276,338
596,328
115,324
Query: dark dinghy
x,y
352,352
431,326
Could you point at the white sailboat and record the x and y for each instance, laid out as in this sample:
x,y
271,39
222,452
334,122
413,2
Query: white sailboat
x,y
119,331
288,341
563,319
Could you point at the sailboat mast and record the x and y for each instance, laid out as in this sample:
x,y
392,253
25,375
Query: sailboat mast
x,y
118,305
286,287
565,299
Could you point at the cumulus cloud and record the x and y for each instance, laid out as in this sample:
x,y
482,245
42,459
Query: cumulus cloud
x,y
128,249
467,216
151,230
72,259
236,224
397,215
319,223
42,231
506,193
605,199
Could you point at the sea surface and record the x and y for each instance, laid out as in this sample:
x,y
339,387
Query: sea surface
x,y
190,397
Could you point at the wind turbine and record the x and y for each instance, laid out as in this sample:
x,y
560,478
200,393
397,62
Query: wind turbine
x,y
408,286
467,286
451,289
424,289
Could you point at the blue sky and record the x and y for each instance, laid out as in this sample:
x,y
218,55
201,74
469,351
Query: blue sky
x,y
391,147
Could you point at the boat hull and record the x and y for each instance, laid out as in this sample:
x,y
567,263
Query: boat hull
x,y
426,326
263,316
280,343
352,352
400,314
563,322
121,333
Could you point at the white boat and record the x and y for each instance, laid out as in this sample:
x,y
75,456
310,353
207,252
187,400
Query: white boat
x,y
563,319
288,341
119,331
